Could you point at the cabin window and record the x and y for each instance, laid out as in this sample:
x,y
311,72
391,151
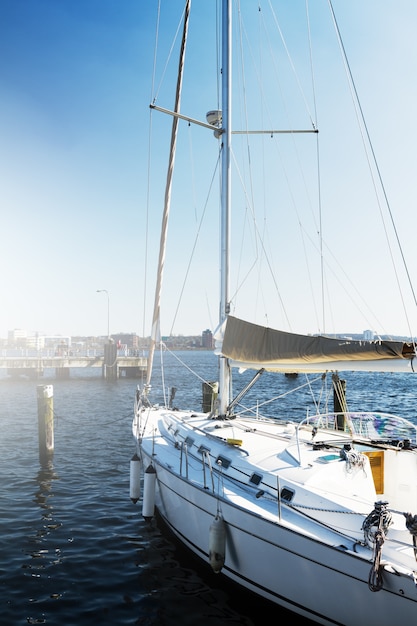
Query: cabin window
x,y
255,479
203,449
221,460
287,494
189,442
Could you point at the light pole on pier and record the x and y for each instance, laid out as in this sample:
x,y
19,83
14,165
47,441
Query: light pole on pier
x,y
108,310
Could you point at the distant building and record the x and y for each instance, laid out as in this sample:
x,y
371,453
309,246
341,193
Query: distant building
x,y
130,340
17,337
207,339
35,341
368,335
16,334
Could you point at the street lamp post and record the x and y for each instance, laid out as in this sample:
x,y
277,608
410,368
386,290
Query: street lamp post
x,y
108,310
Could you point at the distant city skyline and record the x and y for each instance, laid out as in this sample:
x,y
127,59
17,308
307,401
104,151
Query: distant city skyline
x,y
17,334
19,340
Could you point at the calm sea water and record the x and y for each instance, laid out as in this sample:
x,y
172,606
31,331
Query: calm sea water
x,y
73,548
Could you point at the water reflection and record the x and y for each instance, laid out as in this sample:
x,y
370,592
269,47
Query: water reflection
x,y
44,494
43,498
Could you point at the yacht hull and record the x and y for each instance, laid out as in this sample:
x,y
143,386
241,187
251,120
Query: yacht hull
x,y
325,583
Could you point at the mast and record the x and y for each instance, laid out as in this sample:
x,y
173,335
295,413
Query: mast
x,y
167,204
225,192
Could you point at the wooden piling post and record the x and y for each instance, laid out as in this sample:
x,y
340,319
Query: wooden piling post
x,y
45,421
339,401
210,393
110,366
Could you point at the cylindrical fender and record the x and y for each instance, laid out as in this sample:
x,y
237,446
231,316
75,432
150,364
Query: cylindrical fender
x,y
217,543
135,470
149,483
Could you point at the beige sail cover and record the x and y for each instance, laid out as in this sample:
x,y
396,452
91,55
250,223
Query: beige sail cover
x,y
258,346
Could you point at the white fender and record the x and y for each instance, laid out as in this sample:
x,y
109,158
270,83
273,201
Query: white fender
x,y
217,543
135,469
148,504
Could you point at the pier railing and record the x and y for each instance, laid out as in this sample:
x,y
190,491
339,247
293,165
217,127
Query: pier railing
x,y
34,366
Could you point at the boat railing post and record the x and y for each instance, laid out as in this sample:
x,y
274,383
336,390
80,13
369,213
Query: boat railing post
x,y
279,499
186,459
184,454
203,459
297,435
207,455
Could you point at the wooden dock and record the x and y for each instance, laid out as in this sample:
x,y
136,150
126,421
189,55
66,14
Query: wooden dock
x,y
35,366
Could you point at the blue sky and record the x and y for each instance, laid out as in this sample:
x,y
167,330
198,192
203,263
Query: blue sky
x,y
74,92
75,87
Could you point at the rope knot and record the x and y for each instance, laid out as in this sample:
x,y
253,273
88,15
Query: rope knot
x,y
411,523
375,527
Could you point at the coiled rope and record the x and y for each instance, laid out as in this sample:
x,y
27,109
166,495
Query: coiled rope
x,y
352,458
375,527
411,524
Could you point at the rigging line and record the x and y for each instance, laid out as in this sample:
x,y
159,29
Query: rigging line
x,y
261,27
282,395
323,396
218,51
291,130
244,113
158,21
315,126
259,236
163,347
362,117
329,396
115,421
242,75
193,249
166,349
155,96
292,65
262,247
303,232
343,271
354,288
148,182
320,231
308,383
310,279
261,239
191,153
194,198
167,196
61,419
